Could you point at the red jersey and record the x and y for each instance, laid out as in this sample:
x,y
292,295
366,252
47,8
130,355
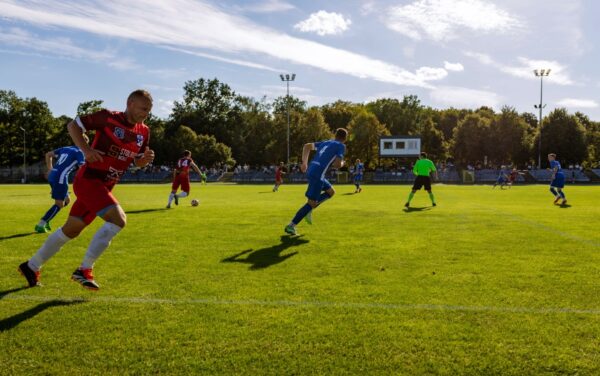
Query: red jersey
x,y
183,166
119,140
278,172
513,176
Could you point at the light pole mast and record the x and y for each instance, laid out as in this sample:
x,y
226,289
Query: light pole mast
x,y
541,74
287,78
24,156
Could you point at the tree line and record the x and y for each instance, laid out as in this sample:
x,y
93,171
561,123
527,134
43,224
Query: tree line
x,y
220,126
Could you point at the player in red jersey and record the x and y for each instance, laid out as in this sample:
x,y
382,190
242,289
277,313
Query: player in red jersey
x,y
121,138
279,172
181,177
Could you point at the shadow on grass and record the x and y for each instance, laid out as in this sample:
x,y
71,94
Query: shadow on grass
x,y
16,236
348,194
564,206
266,192
12,321
141,211
8,292
265,257
411,209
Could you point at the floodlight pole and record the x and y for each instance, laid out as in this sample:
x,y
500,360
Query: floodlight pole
x,y
287,78
541,73
24,156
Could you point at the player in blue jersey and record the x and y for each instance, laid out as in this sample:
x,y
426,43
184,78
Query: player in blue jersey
x,y
68,158
329,153
359,169
558,180
502,178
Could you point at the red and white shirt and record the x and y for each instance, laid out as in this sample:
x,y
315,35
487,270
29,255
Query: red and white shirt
x,y
118,140
183,166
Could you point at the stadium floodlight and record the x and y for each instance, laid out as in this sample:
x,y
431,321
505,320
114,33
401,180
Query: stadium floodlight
x,y
541,74
24,155
287,78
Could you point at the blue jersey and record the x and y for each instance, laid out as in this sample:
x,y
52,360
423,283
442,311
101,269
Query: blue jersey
x,y
556,165
68,158
359,168
327,152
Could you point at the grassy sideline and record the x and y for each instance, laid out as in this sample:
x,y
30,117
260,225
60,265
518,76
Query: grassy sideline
x,y
489,282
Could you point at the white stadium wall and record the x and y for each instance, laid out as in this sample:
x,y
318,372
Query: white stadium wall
x,y
399,146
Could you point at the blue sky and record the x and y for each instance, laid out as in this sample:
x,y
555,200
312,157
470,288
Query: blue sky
x,y
451,53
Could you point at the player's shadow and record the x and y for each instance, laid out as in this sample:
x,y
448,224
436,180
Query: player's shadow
x,y
348,194
2,238
412,209
12,321
141,211
564,206
10,291
268,256
265,192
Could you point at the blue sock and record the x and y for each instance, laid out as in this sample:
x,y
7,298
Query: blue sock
x,y
301,214
324,197
553,191
562,194
50,213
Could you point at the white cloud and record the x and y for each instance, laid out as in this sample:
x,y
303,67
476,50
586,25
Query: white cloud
x,y
202,26
454,67
162,107
368,8
431,74
444,19
559,73
324,23
268,6
577,103
63,47
461,97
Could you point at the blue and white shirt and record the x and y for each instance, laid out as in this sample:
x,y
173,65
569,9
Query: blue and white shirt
x,y
556,165
67,159
327,152
359,168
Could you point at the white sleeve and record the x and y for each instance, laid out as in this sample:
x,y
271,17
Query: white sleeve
x,y
79,123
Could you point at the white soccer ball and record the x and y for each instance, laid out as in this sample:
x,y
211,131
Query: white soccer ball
x,y
195,202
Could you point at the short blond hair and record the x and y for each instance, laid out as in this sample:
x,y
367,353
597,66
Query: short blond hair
x,y
140,93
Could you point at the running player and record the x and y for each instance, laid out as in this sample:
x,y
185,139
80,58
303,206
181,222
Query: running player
x,y
278,176
181,177
502,179
422,169
121,138
513,176
319,189
558,180
67,158
358,175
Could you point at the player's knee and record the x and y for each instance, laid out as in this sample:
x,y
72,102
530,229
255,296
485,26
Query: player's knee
x,y
61,204
313,204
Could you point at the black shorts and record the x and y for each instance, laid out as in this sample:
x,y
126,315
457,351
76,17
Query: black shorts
x,y
422,181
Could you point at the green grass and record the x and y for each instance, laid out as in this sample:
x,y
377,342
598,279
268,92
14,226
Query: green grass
x,y
489,282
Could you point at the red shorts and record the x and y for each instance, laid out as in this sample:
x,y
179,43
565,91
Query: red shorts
x,y
184,181
93,195
279,180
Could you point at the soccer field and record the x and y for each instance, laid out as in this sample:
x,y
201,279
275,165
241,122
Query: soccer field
x,y
489,282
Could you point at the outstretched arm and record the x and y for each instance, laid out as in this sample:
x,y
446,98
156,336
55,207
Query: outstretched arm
x,y
196,168
91,155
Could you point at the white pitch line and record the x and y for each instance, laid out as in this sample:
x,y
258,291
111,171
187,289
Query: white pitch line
x,y
310,304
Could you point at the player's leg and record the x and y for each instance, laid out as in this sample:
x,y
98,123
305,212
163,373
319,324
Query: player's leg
x,y
326,194
416,186
185,190
313,192
60,193
173,195
30,269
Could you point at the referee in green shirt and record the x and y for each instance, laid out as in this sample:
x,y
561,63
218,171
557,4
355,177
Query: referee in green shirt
x,y
422,170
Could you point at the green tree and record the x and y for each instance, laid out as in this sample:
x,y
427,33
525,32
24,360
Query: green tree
x,y
400,118
89,107
509,133
365,131
471,139
310,128
563,134
339,114
432,140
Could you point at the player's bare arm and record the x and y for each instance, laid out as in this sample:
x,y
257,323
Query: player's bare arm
x,y
76,133
305,153
196,168
49,166
146,158
338,163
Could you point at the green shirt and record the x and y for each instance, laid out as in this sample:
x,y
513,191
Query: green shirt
x,y
424,167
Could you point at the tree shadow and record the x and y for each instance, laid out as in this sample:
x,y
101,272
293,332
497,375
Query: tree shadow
x,y
12,321
10,291
411,209
16,236
141,211
268,256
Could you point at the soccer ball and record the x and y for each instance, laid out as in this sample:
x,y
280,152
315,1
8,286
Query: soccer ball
x,y
195,202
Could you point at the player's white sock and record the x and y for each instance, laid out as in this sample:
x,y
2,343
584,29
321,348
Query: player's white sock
x,y
42,223
182,195
53,244
171,197
100,242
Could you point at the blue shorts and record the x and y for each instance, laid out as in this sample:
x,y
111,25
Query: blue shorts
x,y
559,181
59,191
315,187
358,177
501,180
